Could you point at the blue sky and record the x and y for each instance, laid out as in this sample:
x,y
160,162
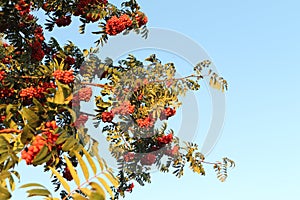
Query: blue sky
x,y
255,46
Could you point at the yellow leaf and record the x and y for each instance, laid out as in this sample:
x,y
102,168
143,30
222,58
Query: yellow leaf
x,y
112,179
38,192
31,185
106,186
217,85
4,193
98,189
90,160
85,52
61,179
82,165
86,191
96,153
78,197
72,171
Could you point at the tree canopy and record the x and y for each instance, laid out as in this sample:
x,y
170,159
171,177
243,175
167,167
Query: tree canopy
x,y
42,85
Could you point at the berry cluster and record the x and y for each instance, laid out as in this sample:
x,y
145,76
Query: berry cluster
x,y
37,52
138,85
107,116
38,34
81,120
141,19
64,76
4,44
29,93
128,157
166,139
93,17
67,174
69,60
172,152
5,92
23,7
46,7
146,122
85,94
28,154
6,59
130,187
36,92
116,25
63,21
124,109
75,101
51,138
46,138
2,118
51,125
148,159
166,113
84,6
127,188
140,97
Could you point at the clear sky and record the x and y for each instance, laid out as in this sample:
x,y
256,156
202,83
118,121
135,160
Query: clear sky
x,y
256,47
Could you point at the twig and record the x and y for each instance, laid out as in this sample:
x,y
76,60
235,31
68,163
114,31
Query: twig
x,y
10,130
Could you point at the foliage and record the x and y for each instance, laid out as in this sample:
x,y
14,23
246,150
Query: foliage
x,y
41,87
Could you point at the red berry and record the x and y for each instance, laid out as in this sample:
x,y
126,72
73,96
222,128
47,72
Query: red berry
x,y
128,157
107,116
64,76
116,25
148,159
168,112
85,94
146,122
124,109
166,139
141,19
81,120
67,174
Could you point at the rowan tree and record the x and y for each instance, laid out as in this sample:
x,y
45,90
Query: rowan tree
x,y
42,84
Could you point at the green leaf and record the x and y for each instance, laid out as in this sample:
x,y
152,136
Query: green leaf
x,y
32,185
38,105
96,187
77,196
82,165
4,193
13,124
38,192
27,134
42,157
72,171
4,175
69,143
3,157
12,183
61,179
62,138
32,119
72,112
97,196
59,97
16,174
